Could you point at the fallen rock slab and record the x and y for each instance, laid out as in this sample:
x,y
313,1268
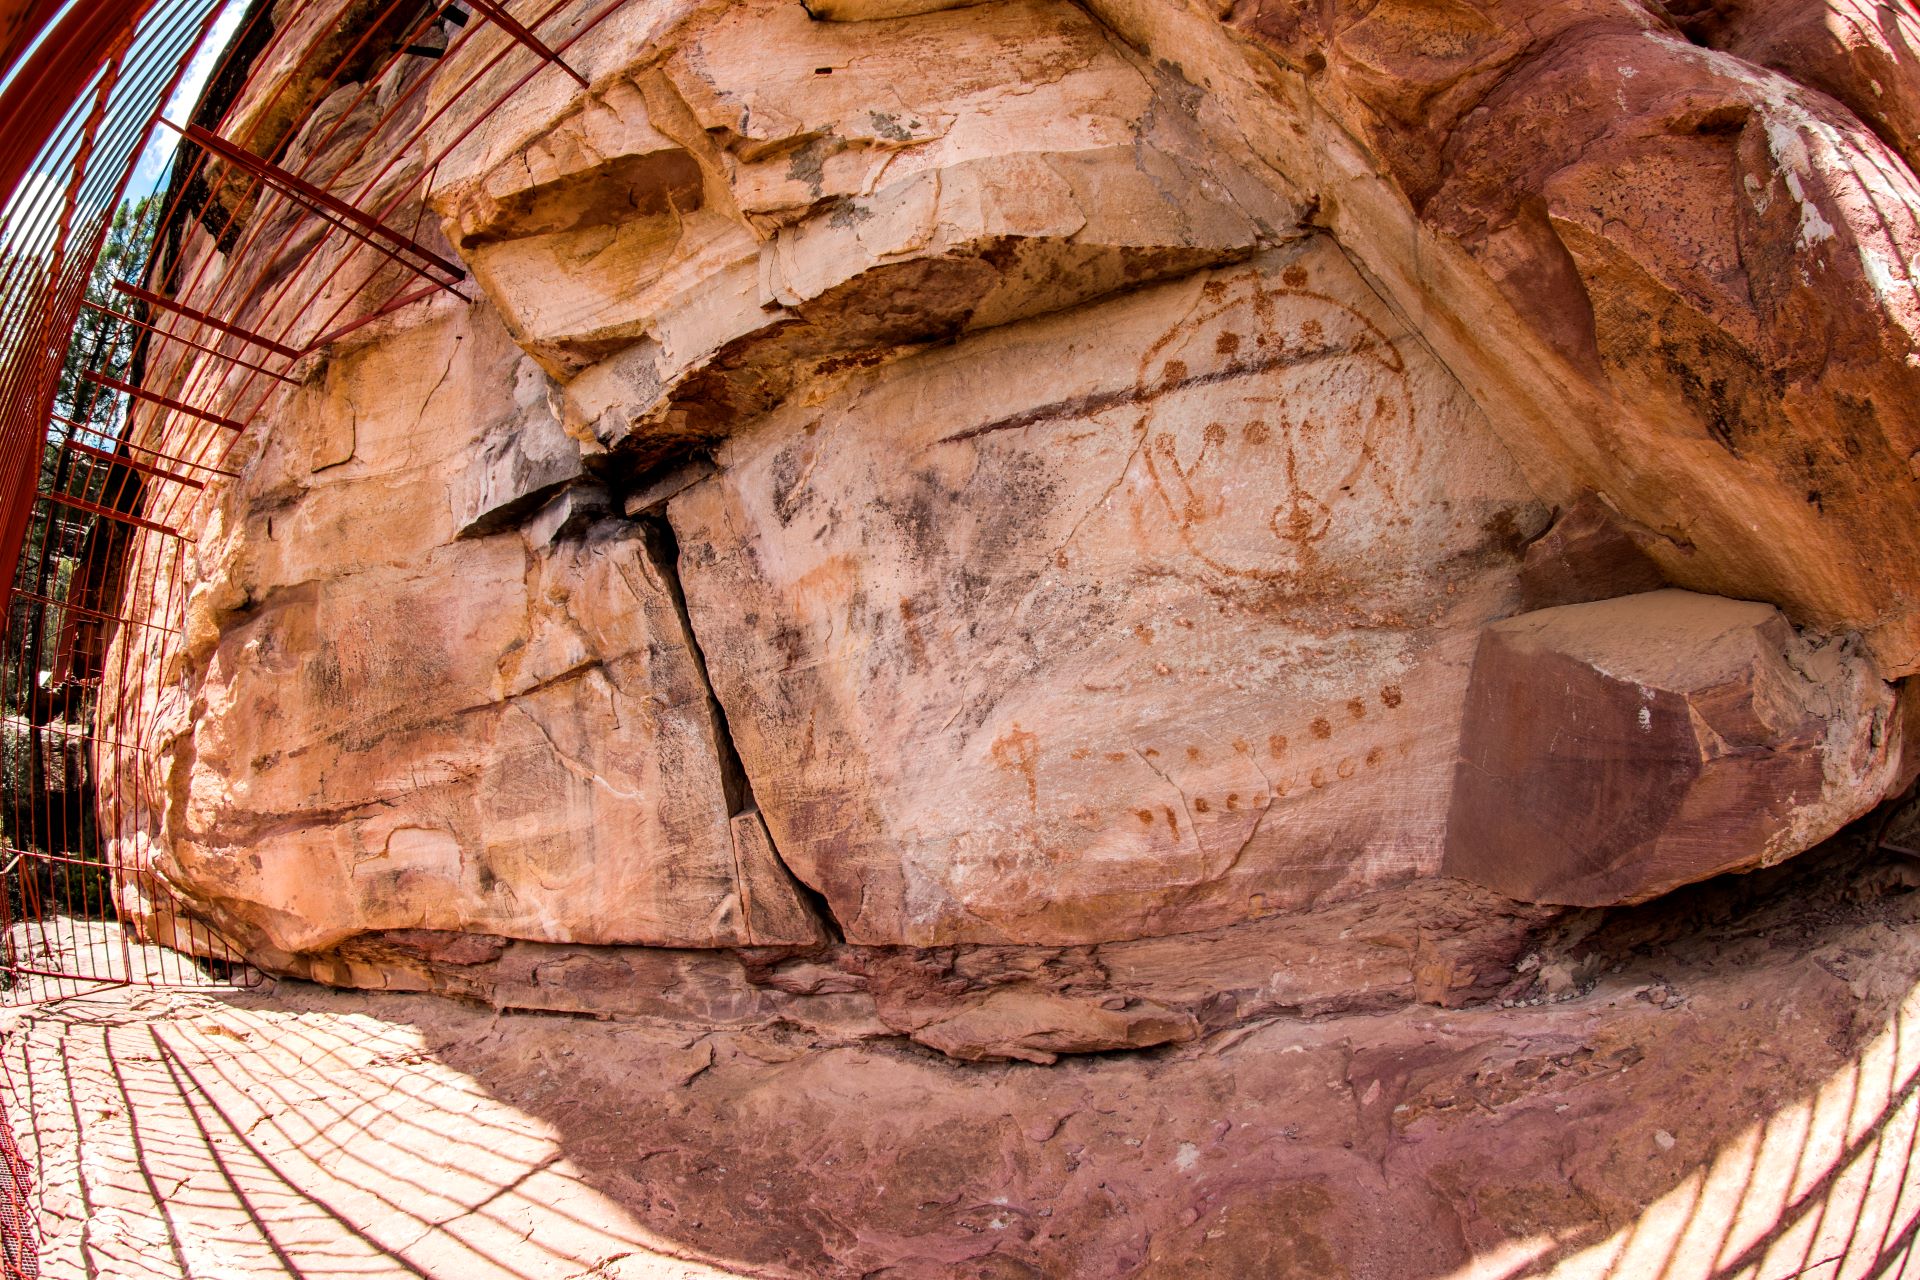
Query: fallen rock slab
x,y
1613,751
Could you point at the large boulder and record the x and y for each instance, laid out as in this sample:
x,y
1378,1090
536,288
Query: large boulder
x,y
1614,751
1671,274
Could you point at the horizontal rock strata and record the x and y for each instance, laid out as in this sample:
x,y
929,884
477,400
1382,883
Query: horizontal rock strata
x,y
1443,944
1043,529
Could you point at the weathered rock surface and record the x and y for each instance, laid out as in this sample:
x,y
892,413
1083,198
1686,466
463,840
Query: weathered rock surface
x,y
1179,645
1615,751
1670,274
1859,51
1589,553
402,727
1442,943
778,197
932,503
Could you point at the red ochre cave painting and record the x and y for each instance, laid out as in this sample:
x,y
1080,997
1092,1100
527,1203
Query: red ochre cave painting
x,y
1059,853
1264,418
1313,402
1018,751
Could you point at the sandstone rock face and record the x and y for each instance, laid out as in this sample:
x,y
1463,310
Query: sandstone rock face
x,y
401,727
779,196
1177,646
999,515
1637,249
1614,751
1589,553
1859,51
1439,943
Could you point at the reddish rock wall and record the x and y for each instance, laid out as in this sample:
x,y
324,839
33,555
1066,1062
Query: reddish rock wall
x,y
934,504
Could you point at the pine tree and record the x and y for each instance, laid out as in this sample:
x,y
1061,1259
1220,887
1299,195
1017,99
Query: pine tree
x,y
55,541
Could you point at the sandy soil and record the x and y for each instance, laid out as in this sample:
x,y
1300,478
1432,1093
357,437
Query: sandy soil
x,y
1723,1087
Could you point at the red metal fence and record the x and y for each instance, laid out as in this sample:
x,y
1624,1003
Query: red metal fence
x,y
146,342
132,384
111,67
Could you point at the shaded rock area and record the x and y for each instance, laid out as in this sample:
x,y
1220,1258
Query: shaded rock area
x,y
1445,944
1617,750
1589,553
1717,1084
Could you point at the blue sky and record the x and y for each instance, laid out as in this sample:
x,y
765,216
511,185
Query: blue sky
x,y
26,215
150,171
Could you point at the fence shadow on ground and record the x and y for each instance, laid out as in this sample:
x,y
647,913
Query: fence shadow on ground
x,y
298,1131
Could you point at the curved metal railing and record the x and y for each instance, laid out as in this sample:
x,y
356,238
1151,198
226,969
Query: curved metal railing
x,y
153,321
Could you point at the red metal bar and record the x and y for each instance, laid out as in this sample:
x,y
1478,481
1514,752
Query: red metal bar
x,y
187,342
88,451
70,977
154,397
24,20
320,201
424,127
91,613
95,509
393,305
164,457
251,129
497,14
40,93
89,137
180,462
421,129
42,293
44,856
168,304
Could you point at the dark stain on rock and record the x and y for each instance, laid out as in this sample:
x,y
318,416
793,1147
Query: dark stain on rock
x,y
1505,532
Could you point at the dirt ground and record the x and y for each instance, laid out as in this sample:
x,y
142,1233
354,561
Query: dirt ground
x,y
1731,1093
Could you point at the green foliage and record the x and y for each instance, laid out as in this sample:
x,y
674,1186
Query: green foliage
x,y
101,343
46,793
